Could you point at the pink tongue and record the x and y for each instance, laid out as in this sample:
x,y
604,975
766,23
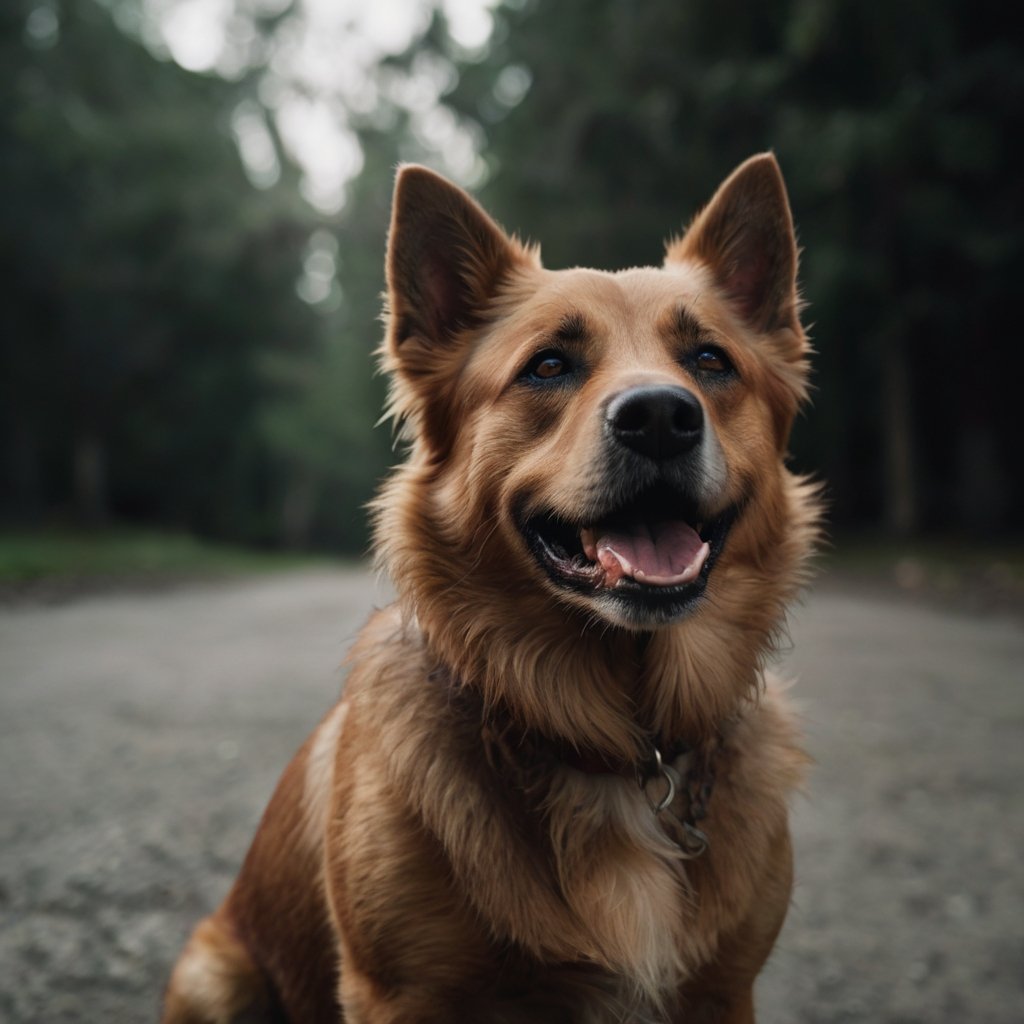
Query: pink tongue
x,y
663,554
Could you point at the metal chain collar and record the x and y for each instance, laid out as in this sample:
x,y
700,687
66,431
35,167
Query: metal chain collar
x,y
679,823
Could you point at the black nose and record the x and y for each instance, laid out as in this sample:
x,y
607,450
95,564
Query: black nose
x,y
660,422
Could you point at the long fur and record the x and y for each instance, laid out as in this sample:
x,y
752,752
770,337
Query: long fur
x,y
431,854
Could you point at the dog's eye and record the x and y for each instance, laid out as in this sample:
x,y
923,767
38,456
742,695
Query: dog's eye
x,y
547,365
711,359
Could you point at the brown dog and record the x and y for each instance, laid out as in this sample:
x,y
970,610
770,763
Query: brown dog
x,y
555,788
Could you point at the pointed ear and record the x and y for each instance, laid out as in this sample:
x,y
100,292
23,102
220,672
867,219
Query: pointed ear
x,y
446,259
745,235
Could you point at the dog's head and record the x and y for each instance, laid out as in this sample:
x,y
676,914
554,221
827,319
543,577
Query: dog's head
x,y
604,443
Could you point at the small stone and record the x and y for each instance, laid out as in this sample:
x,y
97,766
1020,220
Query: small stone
x,y
227,750
960,907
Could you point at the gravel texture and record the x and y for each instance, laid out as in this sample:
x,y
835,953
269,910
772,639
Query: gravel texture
x,y
141,735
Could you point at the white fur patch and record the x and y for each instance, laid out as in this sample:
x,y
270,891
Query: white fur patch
x,y
212,981
316,797
623,877
200,974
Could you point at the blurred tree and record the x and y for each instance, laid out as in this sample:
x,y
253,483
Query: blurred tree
x,y
896,127
180,346
143,281
321,424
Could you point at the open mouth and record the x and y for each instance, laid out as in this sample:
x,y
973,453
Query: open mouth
x,y
656,550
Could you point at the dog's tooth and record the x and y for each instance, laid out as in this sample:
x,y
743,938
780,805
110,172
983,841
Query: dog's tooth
x,y
692,571
588,540
616,566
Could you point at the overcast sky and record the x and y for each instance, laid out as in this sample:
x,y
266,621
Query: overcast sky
x,y
319,67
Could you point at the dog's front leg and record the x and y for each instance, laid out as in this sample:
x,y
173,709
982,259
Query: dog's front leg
x,y
411,948
367,1001
735,1009
722,993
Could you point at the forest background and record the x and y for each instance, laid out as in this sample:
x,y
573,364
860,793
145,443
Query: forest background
x,y
193,219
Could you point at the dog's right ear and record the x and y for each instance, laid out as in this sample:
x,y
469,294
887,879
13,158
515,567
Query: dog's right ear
x,y
446,260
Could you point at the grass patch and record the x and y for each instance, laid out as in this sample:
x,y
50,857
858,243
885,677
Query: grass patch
x,y
27,556
870,554
981,575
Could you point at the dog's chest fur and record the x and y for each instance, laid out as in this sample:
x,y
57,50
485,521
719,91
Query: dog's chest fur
x,y
621,876
575,869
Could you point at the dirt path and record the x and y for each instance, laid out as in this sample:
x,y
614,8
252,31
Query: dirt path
x,y
140,737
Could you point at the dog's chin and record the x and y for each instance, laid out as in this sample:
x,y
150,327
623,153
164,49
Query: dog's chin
x,y
674,544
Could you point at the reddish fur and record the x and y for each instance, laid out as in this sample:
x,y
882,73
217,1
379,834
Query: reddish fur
x,y
411,867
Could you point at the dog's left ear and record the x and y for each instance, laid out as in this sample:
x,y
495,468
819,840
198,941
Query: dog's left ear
x,y
745,235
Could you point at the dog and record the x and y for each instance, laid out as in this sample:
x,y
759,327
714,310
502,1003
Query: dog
x,y
555,787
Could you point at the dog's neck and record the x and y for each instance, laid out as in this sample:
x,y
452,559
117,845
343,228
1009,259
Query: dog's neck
x,y
599,700
568,674
676,778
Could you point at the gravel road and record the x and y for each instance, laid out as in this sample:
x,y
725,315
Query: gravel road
x,y
141,735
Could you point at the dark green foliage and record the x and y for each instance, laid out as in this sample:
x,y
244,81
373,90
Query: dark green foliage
x,y
143,280
158,366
